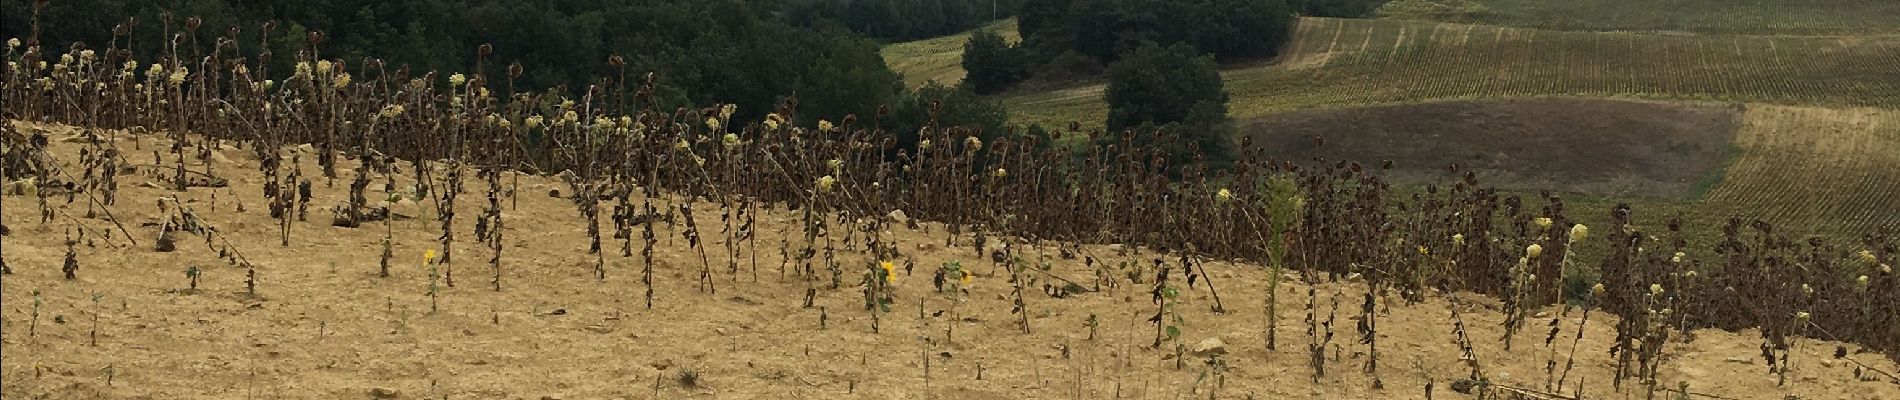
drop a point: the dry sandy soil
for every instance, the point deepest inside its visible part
(1602, 147)
(324, 326)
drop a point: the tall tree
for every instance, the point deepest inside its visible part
(1171, 90)
(991, 63)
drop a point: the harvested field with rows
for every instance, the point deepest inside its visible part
(1342, 62)
(1762, 17)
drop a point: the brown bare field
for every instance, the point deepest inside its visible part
(1597, 147)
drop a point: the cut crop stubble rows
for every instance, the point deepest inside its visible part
(1340, 62)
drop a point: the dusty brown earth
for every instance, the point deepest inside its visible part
(324, 326)
(1601, 147)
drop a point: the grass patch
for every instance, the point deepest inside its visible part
(1708, 182)
(938, 59)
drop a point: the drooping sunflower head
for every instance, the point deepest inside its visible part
(825, 183)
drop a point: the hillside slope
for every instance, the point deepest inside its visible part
(1815, 170)
(938, 59)
(324, 325)
(1344, 62)
(1836, 167)
(1770, 17)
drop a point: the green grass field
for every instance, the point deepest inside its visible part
(1338, 62)
(1773, 17)
(938, 59)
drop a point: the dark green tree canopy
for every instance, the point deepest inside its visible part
(1163, 85)
(898, 20)
(1337, 8)
(959, 104)
(1172, 92)
(992, 63)
(1105, 29)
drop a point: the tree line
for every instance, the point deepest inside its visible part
(740, 52)
(898, 20)
(756, 54)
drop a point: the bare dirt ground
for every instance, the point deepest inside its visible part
(1600, 147)
(324, 326)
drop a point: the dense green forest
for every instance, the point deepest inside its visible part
(704, 51)
(1336, 8)
(1103, 30)
(898, 20)
(1068, 40)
